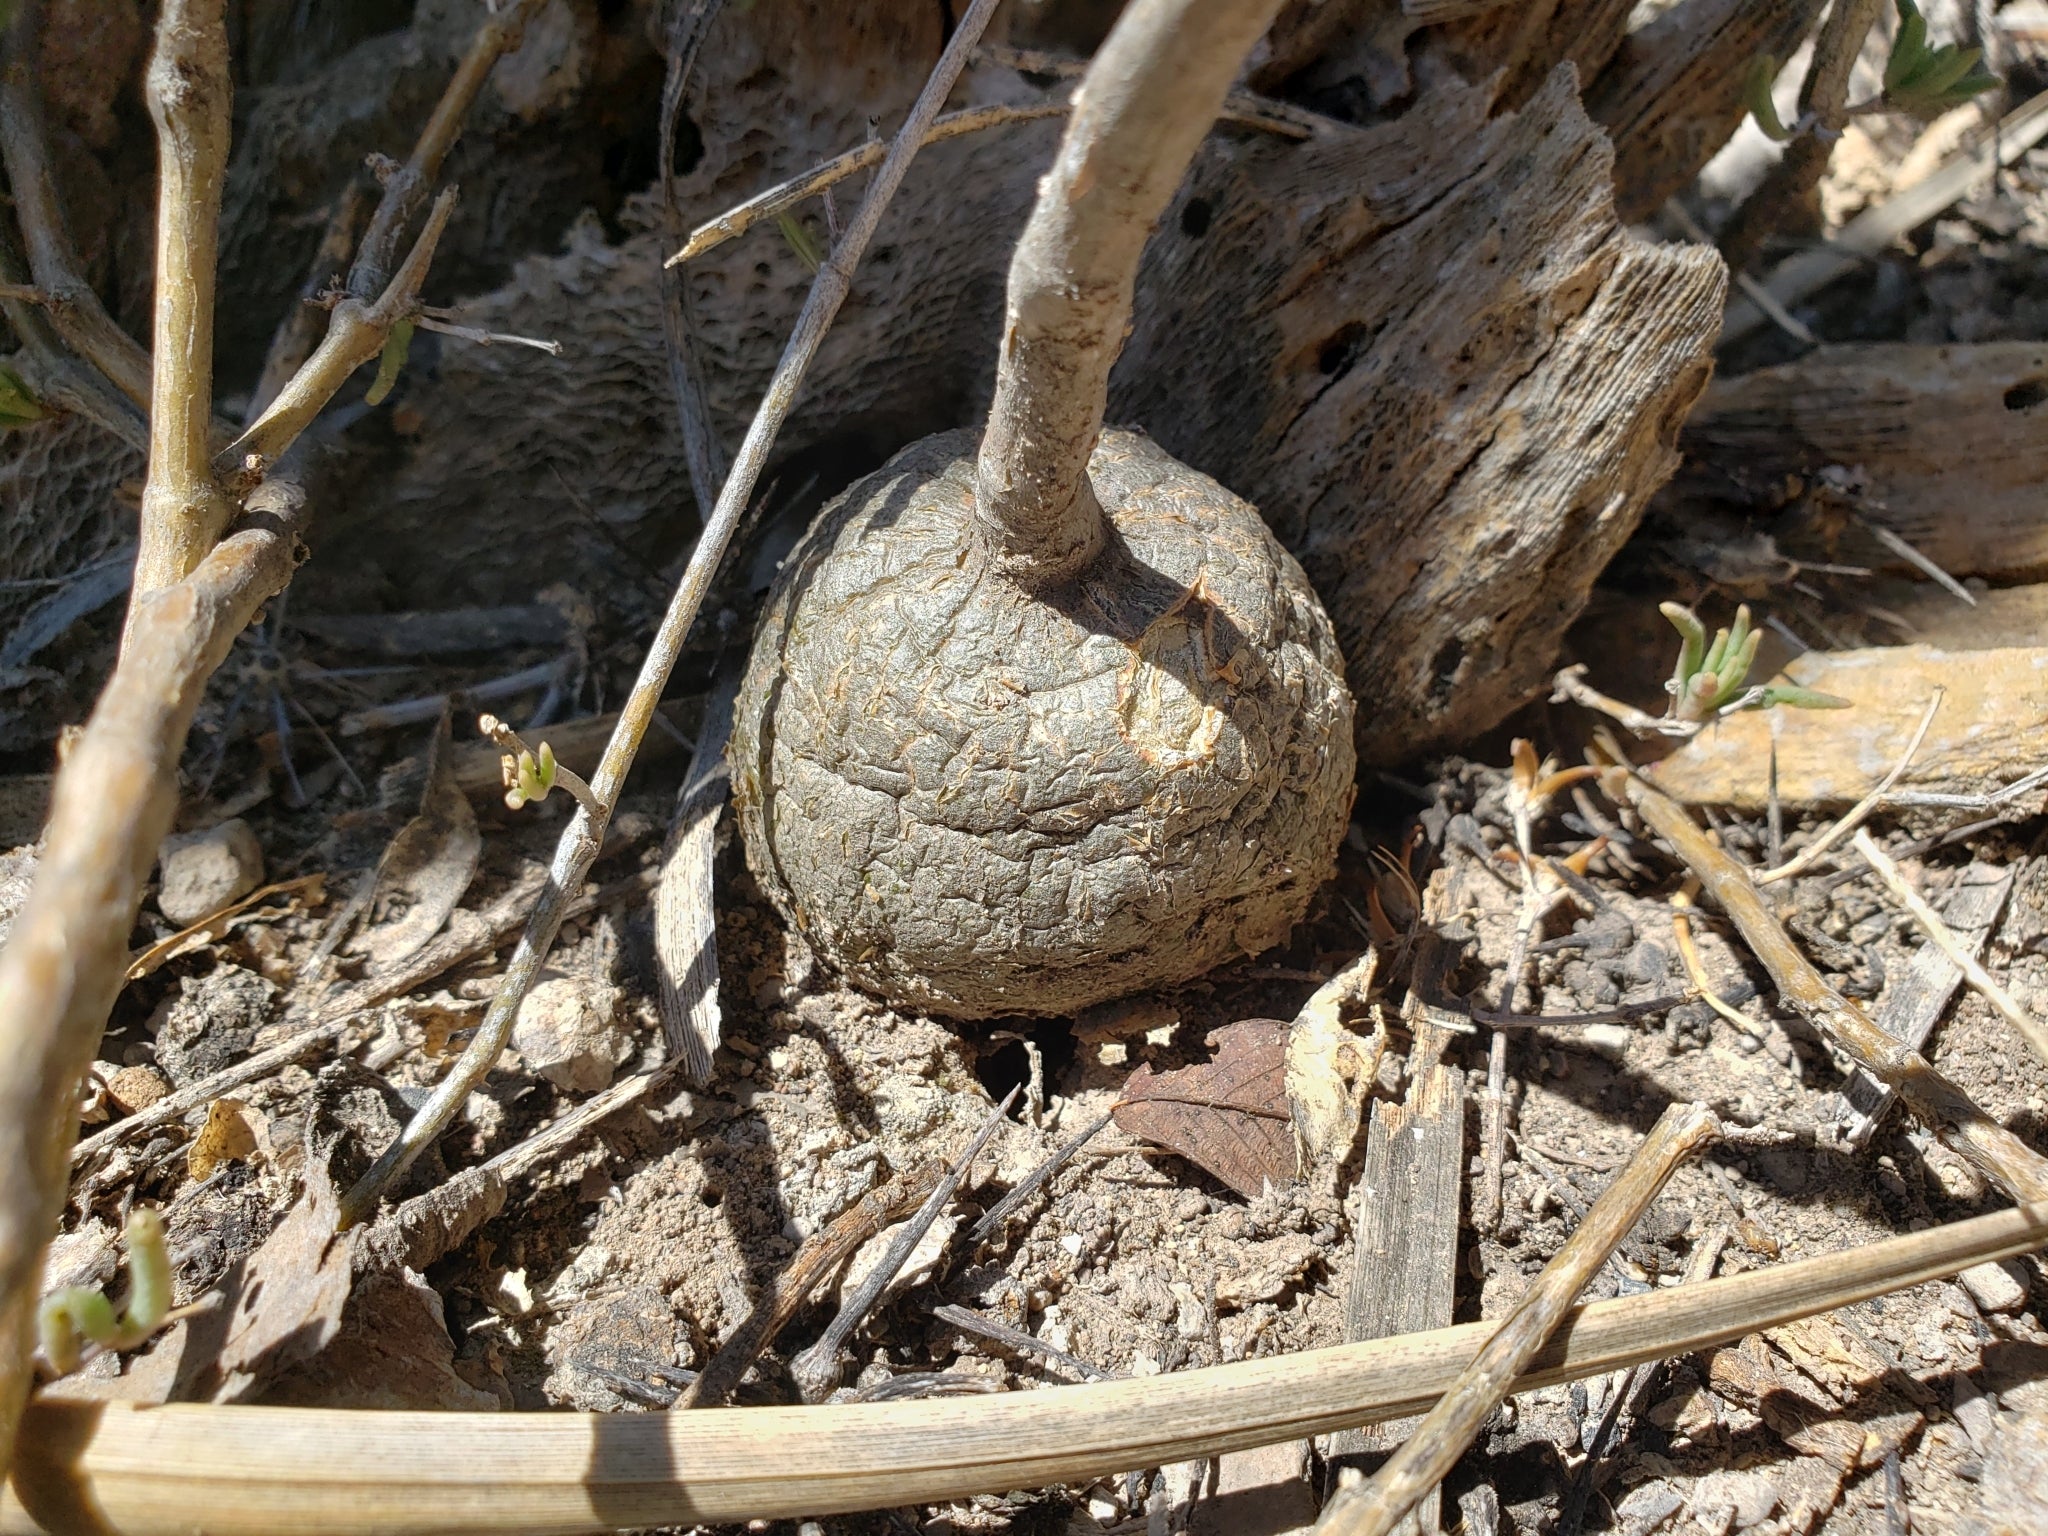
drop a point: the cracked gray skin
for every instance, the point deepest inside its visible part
(974, 801)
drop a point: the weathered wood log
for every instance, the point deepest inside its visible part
(1425, 350)
(1941, 444)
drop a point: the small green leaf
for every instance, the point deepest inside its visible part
(18, 404)
(1925, 82)
(1909, 48)
(1792, 696)
(396, 347)
(1756, 95)
(800, 241)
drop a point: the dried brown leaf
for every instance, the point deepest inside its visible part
(217, 925)
(428, 865)
(233, 1131)
(286, 1304)
(1227, 1116)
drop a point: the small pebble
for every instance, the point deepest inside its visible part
(134, 1088)
(202, 872)
(567, 1032)
(1999, 1287)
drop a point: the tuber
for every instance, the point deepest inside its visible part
(1039, 722)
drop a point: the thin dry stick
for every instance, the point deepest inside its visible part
(1858, 813)
(1944, 1108)
(406, 186)
(255, 1471)
(1688, 951)
(1446, 1430)
(111, 807)
(1149, 98)
(73, 307)
(184, 509)
(816, 1370)
(1821, 101)
(2030, 1028)
(822, 1256)
(584, 835)
(355, 333)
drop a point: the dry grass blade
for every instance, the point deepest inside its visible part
(111, 807)
(580, 843)
(2030, 1028)
(1446, 1430)
(314, 1471)
(1946, 1109)
(1860, 811)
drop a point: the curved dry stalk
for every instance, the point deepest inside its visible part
(68, 953)
(1434, 1445)
(578, 848)
(184, 508)
(74, 309)
(1144, 106)
(262, 1470)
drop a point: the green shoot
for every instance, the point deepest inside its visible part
(1712, 680)
(18, 404)
(1925, 82)
(530, 774)
(1756, 95)
(801, 241)
(71, 1318)
(397, 346)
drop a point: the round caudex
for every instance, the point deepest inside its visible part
(1044, 718)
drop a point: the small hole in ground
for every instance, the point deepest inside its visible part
(1196, 217)
(1005, 1064)
(2026, 394)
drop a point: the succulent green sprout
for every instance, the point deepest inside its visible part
(1923, 81)
(1756, 95)
(397, 347)
(531, 777)
(76, 1315)
(18, 403)
(801, 241)
(1712, 679)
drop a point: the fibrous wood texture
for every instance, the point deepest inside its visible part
(1424, 350)
(1945, 445)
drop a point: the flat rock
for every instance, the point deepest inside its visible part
(202, 872)
(1997, 1287)
(1992, 727)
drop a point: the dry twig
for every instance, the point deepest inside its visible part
(1447, 1429)
(255, 1471)
(1861, 810)
(2030, 1028)
(72, 305)
(584, 835)
(1951, 1113)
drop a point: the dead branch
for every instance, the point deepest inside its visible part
(1447, 1429)
(110, 809)
(406, 186)
(1944, 1108)
(262, 1470)
(2030, 1028)
(355, 334)
(1821, 101)
(73, 307)
(184, 508)
(584, 835)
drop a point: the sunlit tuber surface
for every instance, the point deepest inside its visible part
(975, 800)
